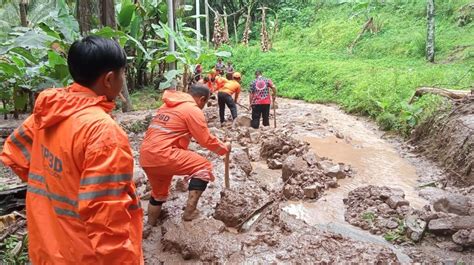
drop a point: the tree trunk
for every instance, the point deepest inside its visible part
(107, 19)
(226, 29)
(265, 42)
(430, 38)
(208, 32)
(84, 15)
(171, 47)
(23, 13)
(447, 93)
(107, 13)
(245, 38)
(198, 23)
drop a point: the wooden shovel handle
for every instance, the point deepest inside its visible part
(226, 179)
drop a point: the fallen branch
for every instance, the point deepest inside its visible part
(367, 25)
(447, 93)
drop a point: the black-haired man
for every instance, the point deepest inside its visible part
(164, 151)
(81, 203)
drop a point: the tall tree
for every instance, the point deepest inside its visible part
(107, 13)
(84, 10)
(430, 36)
(107, 19)
(24, 13)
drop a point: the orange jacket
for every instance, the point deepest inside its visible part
(231, 87)
(81, 204)
(175, 123)
(220, 82)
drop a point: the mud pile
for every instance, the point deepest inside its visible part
(135, 122)
(277, 238)
(448, 138)
(237, 205)
(385, 211)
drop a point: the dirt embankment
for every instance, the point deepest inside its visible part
(448, 138)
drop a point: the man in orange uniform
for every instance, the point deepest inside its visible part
(224, 96)
(81, 204)
(164, 151)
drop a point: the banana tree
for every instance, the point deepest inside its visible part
(188, 54)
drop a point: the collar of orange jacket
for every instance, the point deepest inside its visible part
(55, 105)
(173, 98)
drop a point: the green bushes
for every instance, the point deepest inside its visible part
(381, 75)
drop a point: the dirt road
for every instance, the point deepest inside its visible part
(312, 230)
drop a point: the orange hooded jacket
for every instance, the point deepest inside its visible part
(81, 204)
(175, 123)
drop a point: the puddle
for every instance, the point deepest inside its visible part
(374, 164)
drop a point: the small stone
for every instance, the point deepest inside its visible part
(391, 224)
(311, 192)
(395, 201)
(464, 237)
(340, 135)
(274, 164)
(415, 227)
(285, 149)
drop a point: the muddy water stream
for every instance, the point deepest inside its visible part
(374, 160)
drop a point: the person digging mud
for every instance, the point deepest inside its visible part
(81, 204)
(164, 153)
(259, 98)
(224, 96)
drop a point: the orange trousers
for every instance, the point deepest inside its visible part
(187, 163)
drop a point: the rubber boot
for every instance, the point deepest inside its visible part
(153, 214)
(190, 212)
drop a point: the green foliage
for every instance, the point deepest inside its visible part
(13, 251)
(312, 63)
(146, 99)
(368, 216)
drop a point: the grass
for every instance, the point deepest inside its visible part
(378, 79)
(146, 99)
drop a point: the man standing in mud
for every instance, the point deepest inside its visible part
(259, 99)
(224, 96)
(81, 204)
(164, 151)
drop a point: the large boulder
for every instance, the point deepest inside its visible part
(241, 159)
(453, 203)
(293, 166)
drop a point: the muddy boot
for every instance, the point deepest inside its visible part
(153, 214)
(190, 212)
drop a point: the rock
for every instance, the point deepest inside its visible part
(274, 164)
(242, 121)
(285, 149)
(255, 137)
(340, 135)
(181, 185)
(293, 166)
(453, 203)
(415, 227)
(311, 192)
(396, 201)
(391, 224)
(451, 224)
(464, 237)
(336, 171)
(449, 245)
(310, 158)
(242, 160)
